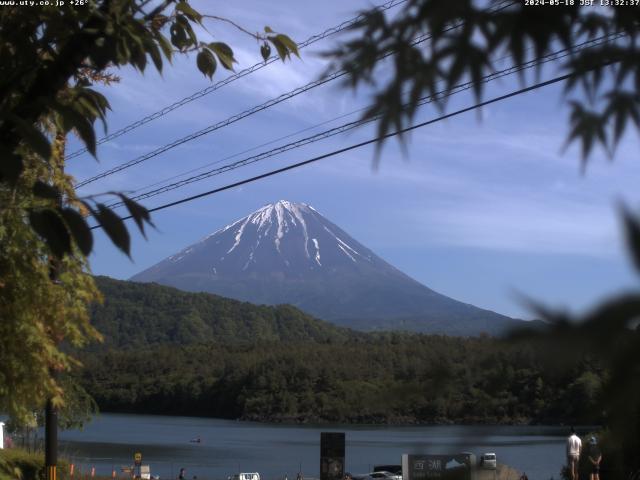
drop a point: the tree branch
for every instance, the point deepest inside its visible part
(256, 35)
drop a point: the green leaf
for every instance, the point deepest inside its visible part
(224, 53)
(178, 36)
(139, 213)
(290, 45)
(72, 119)
(33, 137)
(622, 106)
(114, 227)
(268, 30)
(44, 190)
(158, 22)
(123, 54)
(192, 14)
(265, 50)
(588, 127)
(206, 62)
(52, 229)
(138, 58)
(154, 53)
(184, 23)
(79, 229)
(283, 53)
(165, 45)
(87, 108)
(93, 104)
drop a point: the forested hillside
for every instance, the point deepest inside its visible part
(172, 352)
(136, 315)
(388, 378)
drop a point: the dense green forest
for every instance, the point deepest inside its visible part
(136, 315)
(172, 352)
(392, 378)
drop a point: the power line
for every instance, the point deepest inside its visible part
(214, 127)
(554, 56)
(270, 142)
(212, 88)
(256, 147)
(228, 121)
(237, 154)
(355, 146)
(255, 109)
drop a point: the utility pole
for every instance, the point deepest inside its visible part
(51, 412)
(51, 439)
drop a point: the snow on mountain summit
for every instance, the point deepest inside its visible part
(297, 225)
(283, 238)
(287, 252)
(278, 218)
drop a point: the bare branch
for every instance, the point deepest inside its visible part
(256, 35)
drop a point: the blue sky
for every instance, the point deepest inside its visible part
(483, 208)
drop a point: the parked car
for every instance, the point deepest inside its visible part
(488, 460)
(382, 475)
(395, 469)
(245, 476)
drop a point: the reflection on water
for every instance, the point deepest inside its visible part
(228, 447)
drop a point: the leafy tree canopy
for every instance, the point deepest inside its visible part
(50, 59)
(376, 378)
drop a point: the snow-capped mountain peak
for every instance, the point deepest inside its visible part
(287, 252)
(268, 228)
(285, 238)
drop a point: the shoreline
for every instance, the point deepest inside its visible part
(360, 422)
(275, 449)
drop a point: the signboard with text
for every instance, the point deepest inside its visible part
(457, 466)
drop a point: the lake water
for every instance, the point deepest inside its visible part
(227, 447)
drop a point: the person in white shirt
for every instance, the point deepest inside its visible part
(574, 445)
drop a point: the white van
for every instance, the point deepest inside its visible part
(245, 476)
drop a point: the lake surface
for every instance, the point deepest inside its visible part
(227, 447)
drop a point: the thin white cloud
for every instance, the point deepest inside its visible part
(523, 225)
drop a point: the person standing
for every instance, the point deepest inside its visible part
(574, 445)
(595, 457)
(182, 475)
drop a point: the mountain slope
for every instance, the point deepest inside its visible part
(136, 315)
(288, 253)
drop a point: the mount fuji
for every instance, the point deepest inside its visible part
(287, 252)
